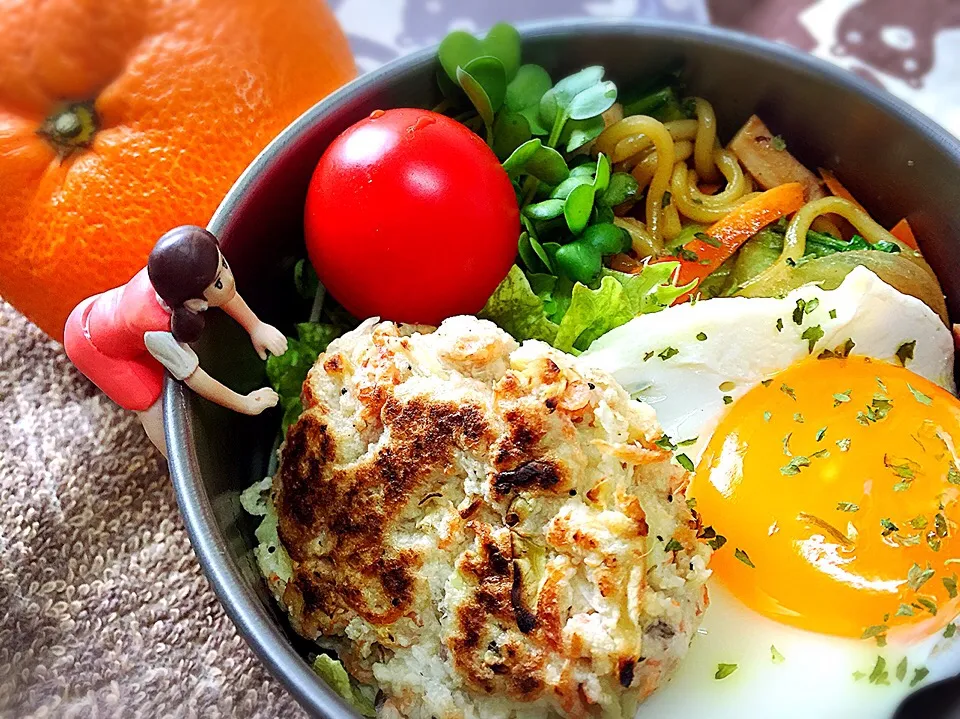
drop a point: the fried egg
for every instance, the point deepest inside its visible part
(691, 361)
(829, 474)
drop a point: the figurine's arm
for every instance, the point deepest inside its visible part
(178, 358)
(209, 388)
(182, 362)
(264, 337)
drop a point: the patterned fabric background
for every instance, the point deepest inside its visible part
(104, 611)
(910, 48)
(380, 30)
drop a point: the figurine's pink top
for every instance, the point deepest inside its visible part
(104, 338)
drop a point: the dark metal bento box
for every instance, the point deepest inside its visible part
(895, 160)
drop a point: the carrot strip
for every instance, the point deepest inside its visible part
(836, 187)
(903, 232)
(698, 258)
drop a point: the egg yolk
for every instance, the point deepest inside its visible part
(835, 486)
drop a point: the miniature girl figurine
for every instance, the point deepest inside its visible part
(124, 338)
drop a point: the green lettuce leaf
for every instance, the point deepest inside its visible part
(571, 316)
(619, 298)
(516, 308)
(288, 371)
(333, 673)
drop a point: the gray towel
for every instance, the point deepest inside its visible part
(103, 608)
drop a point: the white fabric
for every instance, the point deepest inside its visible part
(179, 359)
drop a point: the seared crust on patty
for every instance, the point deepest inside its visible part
(472, 524)
(352, 507)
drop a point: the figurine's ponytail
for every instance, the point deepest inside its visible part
(186, 325)
(182, 265)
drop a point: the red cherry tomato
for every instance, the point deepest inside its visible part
(410, 217)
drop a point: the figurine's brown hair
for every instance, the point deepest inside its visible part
(182, 265)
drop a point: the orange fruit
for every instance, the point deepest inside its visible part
(122, 119)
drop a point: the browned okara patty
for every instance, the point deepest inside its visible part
(473, 523)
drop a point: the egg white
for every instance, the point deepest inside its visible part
(744, 346)
(815, 678)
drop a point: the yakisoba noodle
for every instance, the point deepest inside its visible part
(706, 139)
(672, 226)
(663, 145)
(644, 244)
(656, 153)
(643, 170)
(795, 238)
(624, 142)
(701, 207)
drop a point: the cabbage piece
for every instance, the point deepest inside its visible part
(272, 557)
(902, 271)
(333, 673)
(826, 262)
(255, 497)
